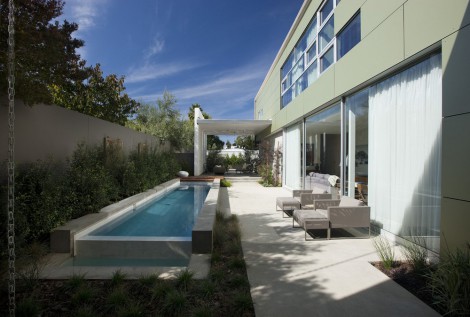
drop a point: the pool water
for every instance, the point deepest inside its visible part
(172, 215)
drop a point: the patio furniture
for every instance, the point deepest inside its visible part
(291, 203)
(287, 204)
(346, 212)
(309, 219)
(307, 199)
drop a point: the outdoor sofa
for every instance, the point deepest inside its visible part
(291, 203)
(328, 214)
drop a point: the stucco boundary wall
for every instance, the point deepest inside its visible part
(48, 131)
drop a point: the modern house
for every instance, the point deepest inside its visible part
(375, 92)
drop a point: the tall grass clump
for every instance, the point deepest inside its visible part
(385, 251)
(416, 253)
(450, 283)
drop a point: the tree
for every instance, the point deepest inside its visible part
(246, 143)
(228, 144)
(45, 51)
(164, 121)
(191, 112)
(98, 96)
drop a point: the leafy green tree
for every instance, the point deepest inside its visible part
(98, 96)
(45, 51)
(164, 121)
(191, 112)
(228, 144)
(214, 142)
(245, 142)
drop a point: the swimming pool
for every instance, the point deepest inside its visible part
(158, 227)
(171, 215)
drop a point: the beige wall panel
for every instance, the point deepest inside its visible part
(374, 12)
(344, 11)
(455, 217)
(379, 51)
(294, 110)
(278, 120)
(455, 157)
(429, 21)
(320, 92)
(455, 73)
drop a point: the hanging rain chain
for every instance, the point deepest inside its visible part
(11, 158)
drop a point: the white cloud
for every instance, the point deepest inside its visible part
(155, 48)
(84, 12)
(153, 71)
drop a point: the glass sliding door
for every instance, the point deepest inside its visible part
(405, 114)
(357, 145)
(293, 157)
(323, 143)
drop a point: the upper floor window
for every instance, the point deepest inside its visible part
(349, 36)
(316, 50)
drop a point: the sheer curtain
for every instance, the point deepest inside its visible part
(292, 154)
(405, 113)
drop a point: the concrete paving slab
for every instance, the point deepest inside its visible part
(293, 277)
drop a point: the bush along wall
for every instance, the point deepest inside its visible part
(50, 193)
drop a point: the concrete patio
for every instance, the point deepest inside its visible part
(291, 276)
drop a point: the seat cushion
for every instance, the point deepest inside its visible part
(350, 202)
(287, 203)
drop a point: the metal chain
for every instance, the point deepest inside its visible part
(11, 158)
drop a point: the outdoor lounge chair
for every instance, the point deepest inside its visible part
(346, 212)
(291, 203)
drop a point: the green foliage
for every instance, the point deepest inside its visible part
(228, 144)
(415, 253)
(30, 264)
(49, 194)
(98, 96)
(116, 299)
(45, 51)
(164, 121)
(39, 206)
(225, 183)
(118, 278)
(245, 142)
(243, 302)
(213, 159)
(175, 303)
(385, 251)
(269, 167)
(28, 307)
(83, 295)
(90, 187)
(184, 279)
(149, 281)
(214, 143)
(133, 309)
(74, 282)
(450, 283)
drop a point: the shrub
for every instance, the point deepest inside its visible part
(225, 183)
(28, 307)
(415, 253)
(184, 279)
(450, 283)
(118, 278)
(385, 251)
(175, 303)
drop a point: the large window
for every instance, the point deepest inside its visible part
(315, 52)
(323, 143)
(349, 36)
(356, 172)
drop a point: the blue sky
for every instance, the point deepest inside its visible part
(212, 52)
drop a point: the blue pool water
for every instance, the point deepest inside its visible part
(171, 215)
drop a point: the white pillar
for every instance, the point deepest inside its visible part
(198, 144)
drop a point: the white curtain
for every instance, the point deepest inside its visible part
(405, 114)
(292, 154)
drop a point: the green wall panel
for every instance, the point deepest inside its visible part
(455, 217)
(344, 11)
(456, 72)
(455, 157)
(429, 21)
(320, 92)
(379, 51)
(374, 12)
